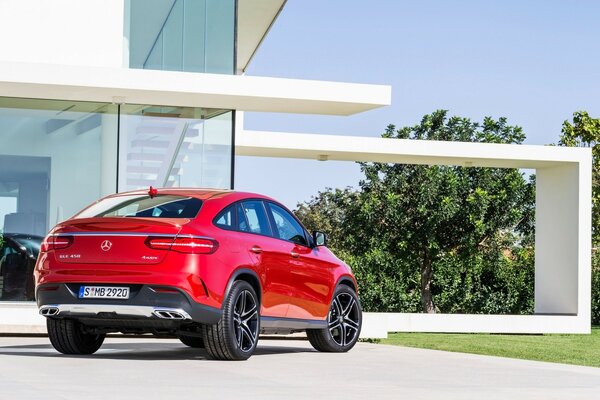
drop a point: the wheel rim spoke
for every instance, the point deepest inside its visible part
(349, 308)
(242, 302)
(334, 323)
(247, 332)
(351, 324)
(251, 311)
(338, 308)
(239, 335)
(249, 317)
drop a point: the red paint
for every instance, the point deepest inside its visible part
(191, 254)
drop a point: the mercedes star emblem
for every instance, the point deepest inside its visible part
(106, 245)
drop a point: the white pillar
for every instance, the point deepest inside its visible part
(563, 240)
(108, 161)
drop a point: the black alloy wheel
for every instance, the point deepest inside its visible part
(245, 319)
(236, 335)
(344, 322)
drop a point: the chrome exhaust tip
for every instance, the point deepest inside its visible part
(171, 314)
(49, 311)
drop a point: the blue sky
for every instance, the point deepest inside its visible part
(534, 62)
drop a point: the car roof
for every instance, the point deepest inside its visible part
(199, 193)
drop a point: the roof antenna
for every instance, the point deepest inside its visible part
(152, 192)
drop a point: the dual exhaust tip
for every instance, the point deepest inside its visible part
(49, 311)
(170, 314)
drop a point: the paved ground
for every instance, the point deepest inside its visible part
(281, 369)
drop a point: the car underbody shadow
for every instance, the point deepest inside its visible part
(149, 350)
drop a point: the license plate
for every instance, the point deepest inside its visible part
(103, 292)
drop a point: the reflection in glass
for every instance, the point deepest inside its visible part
(56, 157)
(175, 147)
(182, 35)
(59, 156)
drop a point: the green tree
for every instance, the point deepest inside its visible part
(584, 131)
(329, 211)
(421, 213)
(412, 218)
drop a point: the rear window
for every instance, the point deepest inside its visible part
(161, 206)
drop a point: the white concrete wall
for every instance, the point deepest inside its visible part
(563, 221)
(24, 318)
(378, 325)
(70, 32)
(21, 317)
(556, 236)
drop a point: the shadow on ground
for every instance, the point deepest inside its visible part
(142, 351)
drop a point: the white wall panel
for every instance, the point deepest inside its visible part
(70, 32)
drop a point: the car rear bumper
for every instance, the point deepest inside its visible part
(145, 302)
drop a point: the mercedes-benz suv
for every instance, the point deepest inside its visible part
(214, 268)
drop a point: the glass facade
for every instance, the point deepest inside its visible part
(58, 156)
(52, 162)
(182, 35)
(175, 147)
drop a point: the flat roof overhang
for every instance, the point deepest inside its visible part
(429, 152)
(187, 89)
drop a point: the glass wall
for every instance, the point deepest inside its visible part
(182, 35)
(56, 157)
(175, 147)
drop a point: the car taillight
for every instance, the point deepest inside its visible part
(159, 243)
(193, 245)
(56, 243)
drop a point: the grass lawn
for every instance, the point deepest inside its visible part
(567, 349)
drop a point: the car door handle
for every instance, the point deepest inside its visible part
(256, 249)
(294, 254)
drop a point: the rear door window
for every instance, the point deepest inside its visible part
(253, 218)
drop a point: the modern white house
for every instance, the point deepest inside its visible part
(103, 96)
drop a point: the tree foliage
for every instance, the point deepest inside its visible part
(584, 131)
(431, 238)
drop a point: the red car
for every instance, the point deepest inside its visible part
(214, 268)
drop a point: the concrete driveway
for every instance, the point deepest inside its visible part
(281, 369)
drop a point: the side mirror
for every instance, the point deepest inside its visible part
(319, 238)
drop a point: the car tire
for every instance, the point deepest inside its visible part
(192, 341)
(344, 322)
(236, 335)
(68, 337)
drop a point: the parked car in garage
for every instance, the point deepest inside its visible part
(18, 254)
(214, 268)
